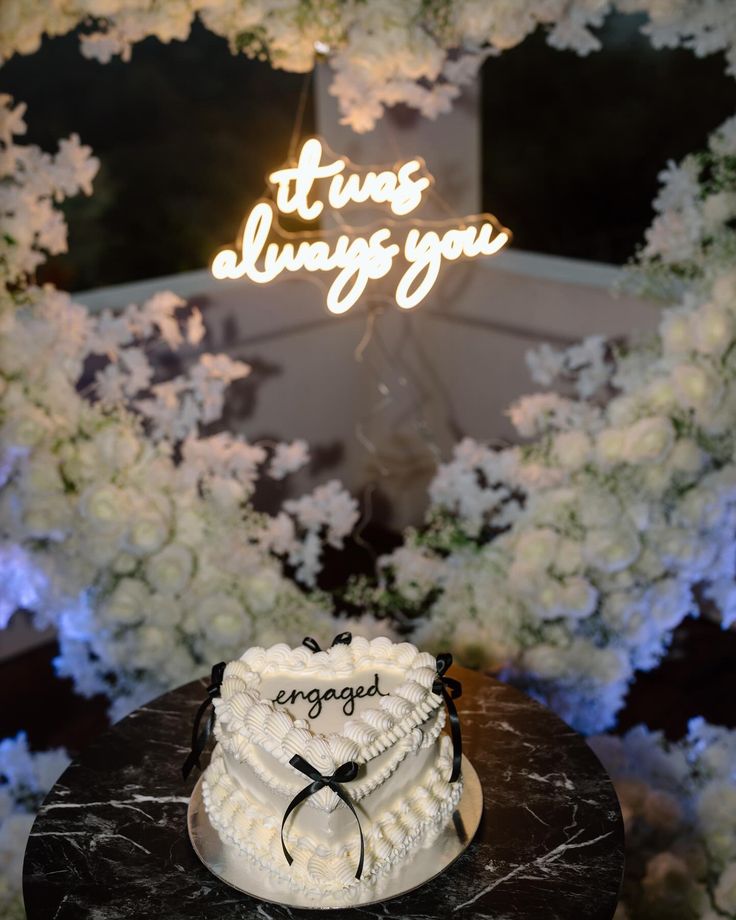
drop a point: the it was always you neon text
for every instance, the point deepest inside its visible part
(354, 257)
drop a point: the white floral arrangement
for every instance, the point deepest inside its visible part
(678, 801)
(25, 778)
(566, 563)
(382, 53)
(120, 523)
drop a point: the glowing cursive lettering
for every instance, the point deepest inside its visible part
(266, 251)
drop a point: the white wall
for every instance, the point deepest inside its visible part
(460, 355)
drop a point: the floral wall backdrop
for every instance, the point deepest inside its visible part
(564, 564)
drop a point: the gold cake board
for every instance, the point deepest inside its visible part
(439, 850)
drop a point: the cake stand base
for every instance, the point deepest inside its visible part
(437, 852)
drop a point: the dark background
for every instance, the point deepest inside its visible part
(187, 131)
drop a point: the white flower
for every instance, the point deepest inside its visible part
(696, 387)
(106, 507)
(225, 622)
(611, 446)
(147, 534)
(572, 449)
(534, 552)
(718, 209)
(649, 440)
(128, 602)
(611, 550)
(676, 332)
(170, 570)
(261, 591)
(288, 458)
(714, 329)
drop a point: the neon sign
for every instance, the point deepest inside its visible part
(359, 255)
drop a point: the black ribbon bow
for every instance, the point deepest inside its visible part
(343, 638)
(450, 689)
(348, 771)
(200, 738)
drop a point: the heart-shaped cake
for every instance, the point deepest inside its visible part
(330, 766)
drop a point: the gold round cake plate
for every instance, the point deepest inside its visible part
(438, 851)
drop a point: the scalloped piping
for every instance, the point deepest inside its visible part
(222, 795)
(238, 746)
(338, 661)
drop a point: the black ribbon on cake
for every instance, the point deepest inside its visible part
(200, 736)
(343, 638)
(344, 774)
(450, 689)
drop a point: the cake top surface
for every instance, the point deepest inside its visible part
(349, 702)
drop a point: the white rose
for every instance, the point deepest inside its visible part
(106, 507)
(610, 446)
(168, 610)
(41, 474)
(656, 479)
(26, 427)
(716, 811)
(190, 527)
(48, 515)
(128, 603)
(147, 534)
(226, 492)
(170, 570)
(622, 411)
(533, 554)
(545, 661)
(717, 209)
(649, 440)
(569, 557)
(178, 666)
(660, 395)
(224, 621)
(153, 646)
(598, 509)
(117, 447)
(676, 333)
(575, 598)
(612, 549)
(124, 564)
(713, 330)
(696, 387)
(571, 449)
(686, 457)
(261, 590)
(579, 597)
(81, 461)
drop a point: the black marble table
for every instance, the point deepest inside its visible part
(110, 842)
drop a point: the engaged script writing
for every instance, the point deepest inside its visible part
(319, 697)
(354, 260)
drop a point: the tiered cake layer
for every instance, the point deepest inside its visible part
(367, 702)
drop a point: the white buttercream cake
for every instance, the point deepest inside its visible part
(367, 702)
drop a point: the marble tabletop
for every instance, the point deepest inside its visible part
(110, 842)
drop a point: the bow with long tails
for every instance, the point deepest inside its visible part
(450, 689)
(343, 638)
(200, 737)
(348, 771)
